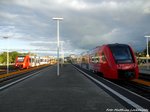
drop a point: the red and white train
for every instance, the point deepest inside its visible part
(114, 61)
(25, 62)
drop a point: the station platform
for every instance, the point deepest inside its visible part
(47, 92)
(144, 69)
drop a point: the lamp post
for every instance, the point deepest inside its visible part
(57, 19)
(7, 55)
(147, 55)
(62, 51)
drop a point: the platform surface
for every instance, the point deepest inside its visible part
(47, 92)
(144, 69)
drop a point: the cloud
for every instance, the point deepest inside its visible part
(86, 24)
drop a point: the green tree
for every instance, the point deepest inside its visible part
(3, 57)
(13, 56)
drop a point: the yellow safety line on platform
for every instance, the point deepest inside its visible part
(147, 83)
(21, 71)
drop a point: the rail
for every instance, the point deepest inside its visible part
(21, 71)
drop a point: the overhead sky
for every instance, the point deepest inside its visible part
(86, 24)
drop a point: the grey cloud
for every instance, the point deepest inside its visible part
(86, 24)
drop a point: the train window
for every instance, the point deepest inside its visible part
(122, 54)
(33, 60)
(20, 58)
(97, 59)
(103, 57)
(83, 60)
(92, 59)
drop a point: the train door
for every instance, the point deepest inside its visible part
(103, 64)
(37, 61)
(97, 62)
(27, 62)
(91, 62)
(87, 61)
(32, 61)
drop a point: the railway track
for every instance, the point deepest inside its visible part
(2, 72)
(144, 76)
(10, 71)
(3, 69)
(17, 73)
(137, 88)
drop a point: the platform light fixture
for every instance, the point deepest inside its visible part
(62, 51)
(57, 19)
(7, 55)
(147, 55)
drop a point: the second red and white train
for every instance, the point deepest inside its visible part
(25, 62)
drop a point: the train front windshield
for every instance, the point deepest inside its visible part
(121, 53)
(20, 58)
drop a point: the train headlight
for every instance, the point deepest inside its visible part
(119, 66)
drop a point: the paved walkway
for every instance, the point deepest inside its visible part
(46, 92)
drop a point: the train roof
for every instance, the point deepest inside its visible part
(117, 44)
(99, 47)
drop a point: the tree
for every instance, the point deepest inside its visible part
(3, 58)
(12, 57)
